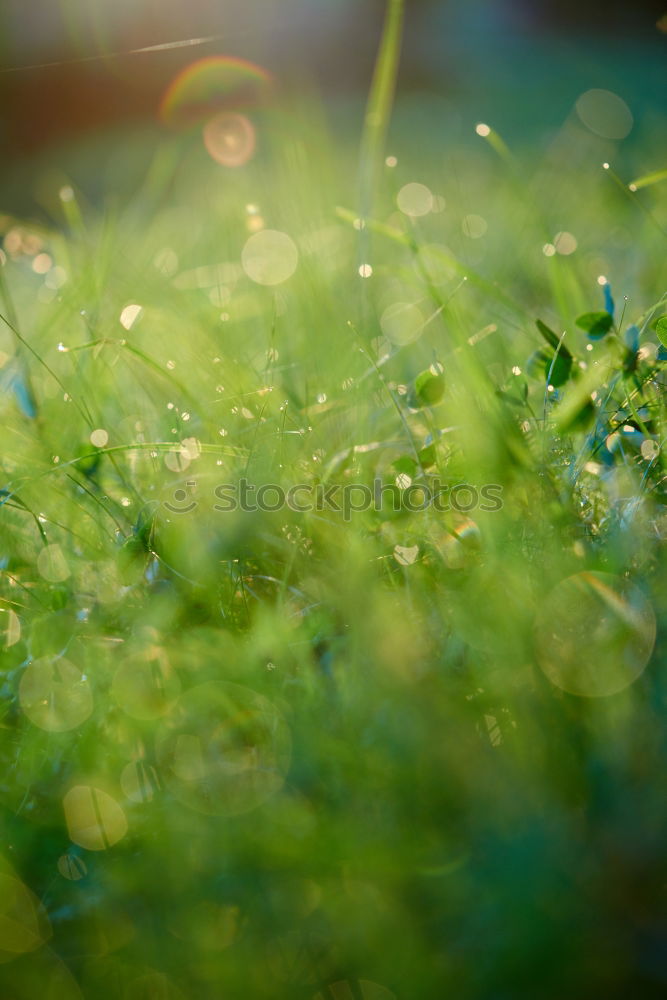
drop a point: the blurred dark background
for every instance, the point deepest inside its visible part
(333, 42)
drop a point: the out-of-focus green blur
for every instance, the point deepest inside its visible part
(408, 742)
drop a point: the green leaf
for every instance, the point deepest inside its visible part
(552, 339)
(429, 388)
(648, 179)
(580, 419)
(405, 465)
(596, 324)
(428, 456)
(540, 365)
(661, 330)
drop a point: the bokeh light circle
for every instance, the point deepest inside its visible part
(605, 113)
(415, 200)
(594, 634)
(402, 322)
(224, 749)
(71, 867)
(23, 925)
(270, 257)
(94, 819)
(474, 226)
(52, 565)
(146, 685)
(230, 139)
(55, 695)
(10, 628)
(139, 781)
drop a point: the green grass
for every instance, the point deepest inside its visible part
(393, 748)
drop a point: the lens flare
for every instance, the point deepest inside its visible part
(210, 86)
(230, 139)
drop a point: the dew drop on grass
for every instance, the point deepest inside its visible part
(94, 819)
(55, 695)
(594, 634)
(365, 270)
(482, 130)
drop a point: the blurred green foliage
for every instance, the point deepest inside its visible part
(272, 754)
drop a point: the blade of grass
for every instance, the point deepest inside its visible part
(378, 109)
